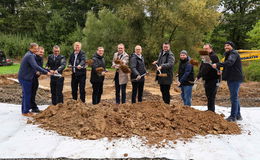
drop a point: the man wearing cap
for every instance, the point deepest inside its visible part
(186, 78)
(210, 76)
(233, 74)
(165, 64)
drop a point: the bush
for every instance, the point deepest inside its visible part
(14, 46)
(106, 30)
(252, 71)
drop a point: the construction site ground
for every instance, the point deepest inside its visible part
(149, 129)
(10, 91)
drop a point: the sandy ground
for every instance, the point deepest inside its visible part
(249, 91)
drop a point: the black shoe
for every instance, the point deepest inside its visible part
(231, 119)
(36, 110)
(239, 118)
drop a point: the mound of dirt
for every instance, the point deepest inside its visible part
(151, 120)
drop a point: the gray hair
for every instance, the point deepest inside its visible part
(208, 44)
(100, 48)
(32, 45)
(56, 47)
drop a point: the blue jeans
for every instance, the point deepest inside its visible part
(186, 93)
(235, 104)
(27, 93)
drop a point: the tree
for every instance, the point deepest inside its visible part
(183, 23)
(238, 18)
(21, 17)
(106, 30)
(254, 36)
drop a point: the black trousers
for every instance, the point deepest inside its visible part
(97, 92)
(56, 89)
(119, 88)
(165, 90)
(35, 85)
(211, 91)
(137, 88)
(78, 82)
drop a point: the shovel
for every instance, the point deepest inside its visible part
(57, 75)
(160, 73)
(134, 80)
(195, 84)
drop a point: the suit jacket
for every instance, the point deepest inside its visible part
(81, 60)
(137, 66)
(166, 60)
(123, 77)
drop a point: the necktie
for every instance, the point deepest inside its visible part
(120, 56)
(74, 64)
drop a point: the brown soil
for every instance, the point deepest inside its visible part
(249, 92)
(154, 121)
(11, 92)
(249, 95)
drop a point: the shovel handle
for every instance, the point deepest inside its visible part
(158, 70)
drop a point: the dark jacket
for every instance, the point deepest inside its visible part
(186, 73)
(232, 66)
(81, 60)
(58, 63)
(99, 61)
(166, 60)
(137, 66)
(39, 61)
(29, 67)
(206, 71)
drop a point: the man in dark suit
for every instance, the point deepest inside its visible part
(77, 62)
(138, 69)
(98, 76)
(35, 81)
(56, 63)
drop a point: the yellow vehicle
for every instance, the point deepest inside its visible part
(249, 55)
(246, 55)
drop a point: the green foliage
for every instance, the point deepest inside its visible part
(254, 36)
(238, 18)
(252, 71)
(14, 46)
(107, 30)
(10, 69)
(149, 24)
(67, 46)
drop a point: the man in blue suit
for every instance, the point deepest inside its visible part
(27, 70)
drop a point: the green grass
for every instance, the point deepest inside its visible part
(9, 69)
(15, 68)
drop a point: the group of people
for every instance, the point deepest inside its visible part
(32, 67)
